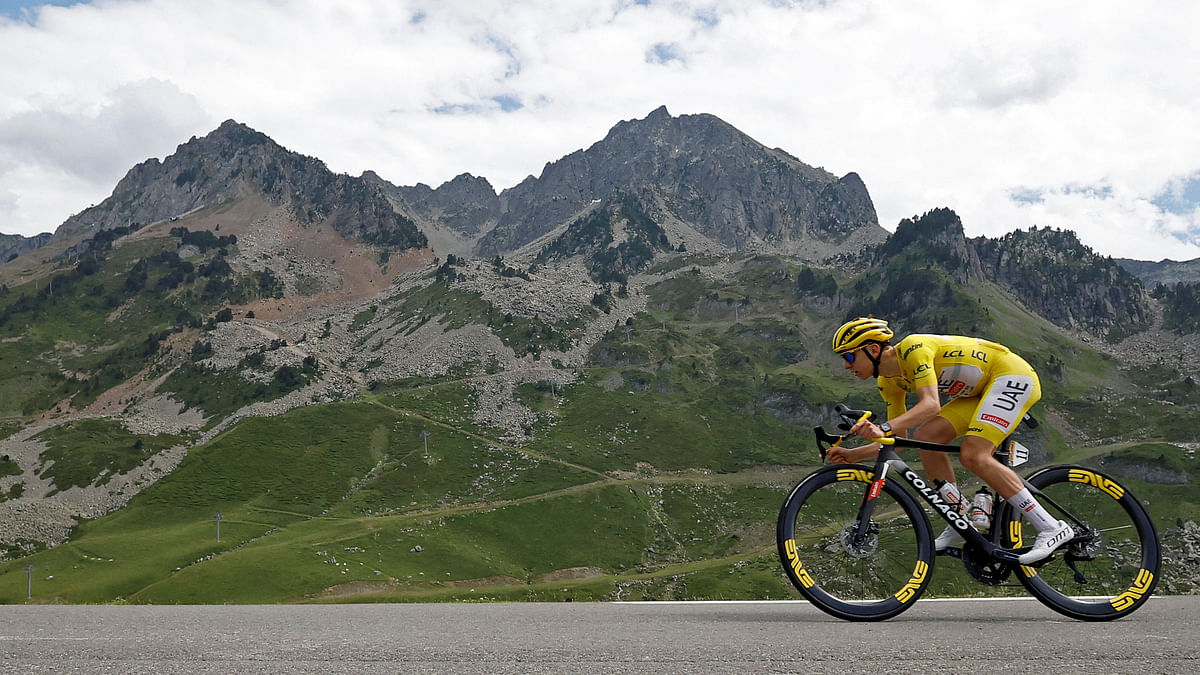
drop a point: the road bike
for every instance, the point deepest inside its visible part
(857, 544)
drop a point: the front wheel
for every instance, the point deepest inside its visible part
(1111, 566)
(867, 576)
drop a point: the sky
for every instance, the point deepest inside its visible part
(1079, 115)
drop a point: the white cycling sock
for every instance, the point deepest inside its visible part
(1037, 516)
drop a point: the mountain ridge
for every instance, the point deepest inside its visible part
(471, 207)
(755, 196)
(1164, 271)
(230, 163)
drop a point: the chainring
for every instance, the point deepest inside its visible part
(984, 568)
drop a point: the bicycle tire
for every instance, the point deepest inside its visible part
(872, 581)
(1107, 572)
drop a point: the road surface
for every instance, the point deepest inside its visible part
(952, 636)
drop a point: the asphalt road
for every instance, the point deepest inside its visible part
(780, 637)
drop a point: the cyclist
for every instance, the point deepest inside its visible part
(989, 389)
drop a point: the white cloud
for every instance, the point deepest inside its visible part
(57, 160)
(961, 105)
(95, 146)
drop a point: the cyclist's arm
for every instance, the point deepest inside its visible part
(895, 398)
(840, 455)
(927, 407)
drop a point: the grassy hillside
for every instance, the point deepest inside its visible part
(110, 310)
(345, 494)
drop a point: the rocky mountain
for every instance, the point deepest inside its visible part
(1065, 281)
(466, 204)
(617, 238)
(1163, 271)
(1049, 271)
(934, 238)
(233, 162)
(13, 245)
(709, 186)
(1176, 285)
(452, 216)
(704, 174)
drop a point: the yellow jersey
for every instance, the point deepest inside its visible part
(959, 366)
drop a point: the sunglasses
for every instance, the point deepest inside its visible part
(849, 356)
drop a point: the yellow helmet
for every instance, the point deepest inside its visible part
(858, 332)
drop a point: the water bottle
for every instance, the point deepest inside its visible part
(950, 493)
(981, 509)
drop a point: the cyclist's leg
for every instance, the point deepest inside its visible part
(1013, 390)
(937, 464)
(953, 421)
(978, 456)
(942, 429)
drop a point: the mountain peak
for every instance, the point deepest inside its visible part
(1066, 281)
(939, 235)
(703, 172)
(236, 132)
(235, 161)
(659, 113)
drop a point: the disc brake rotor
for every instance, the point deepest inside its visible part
(1087, 543)
(863, 546)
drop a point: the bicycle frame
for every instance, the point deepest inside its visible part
(888, 461)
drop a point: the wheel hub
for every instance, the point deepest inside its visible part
(862, 546)
(1086, 544)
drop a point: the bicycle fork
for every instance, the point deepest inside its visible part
(863, 528)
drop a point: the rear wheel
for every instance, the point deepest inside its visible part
(870, 577)
(1111, 566)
